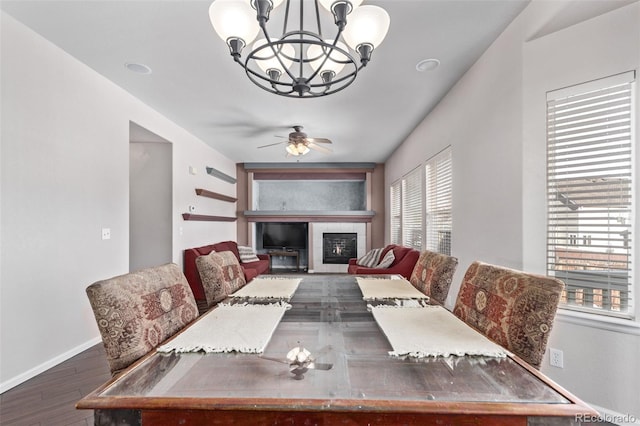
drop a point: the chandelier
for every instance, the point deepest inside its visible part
(300, 63)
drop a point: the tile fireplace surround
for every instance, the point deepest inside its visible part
(316, 229)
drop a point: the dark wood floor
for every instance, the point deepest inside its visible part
(49, 398)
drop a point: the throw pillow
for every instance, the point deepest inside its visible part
(370, 260)
(247, 255)
(387, 260)
(221, 275)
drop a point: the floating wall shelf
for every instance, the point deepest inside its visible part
(220, 175)
(211, 194)
(357, 216)
(204, 217)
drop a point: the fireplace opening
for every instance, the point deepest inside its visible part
(338, 248)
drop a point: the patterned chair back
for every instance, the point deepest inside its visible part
(221, 275)
(136, 312)
(433, 273)
(513, 308)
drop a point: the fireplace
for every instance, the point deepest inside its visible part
(338, 248)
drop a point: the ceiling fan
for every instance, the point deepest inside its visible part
(299, 143)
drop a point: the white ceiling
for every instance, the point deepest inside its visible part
(196, 84)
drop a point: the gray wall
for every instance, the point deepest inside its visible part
(150, 204)
(310, 195)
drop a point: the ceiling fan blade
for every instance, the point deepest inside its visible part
(320, 366)
(271, 144)
(319, 148)
(282, 361)
(319, 140)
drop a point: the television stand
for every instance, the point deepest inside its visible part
(285, 253)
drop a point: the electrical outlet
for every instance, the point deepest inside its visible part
(556, 358)
(106, 233)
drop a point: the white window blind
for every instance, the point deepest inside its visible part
(590, 190)
(396, 212)
(439, 188)
(412, 208)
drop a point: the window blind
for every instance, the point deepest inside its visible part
(589, 193)
(412, 209)
(439, 189)
(396, 212)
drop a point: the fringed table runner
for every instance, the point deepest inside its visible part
(230, 328)
(430, 332)
(385, 288)
(269, 288)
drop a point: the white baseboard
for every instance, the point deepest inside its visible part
(614, 417)
(21, 378)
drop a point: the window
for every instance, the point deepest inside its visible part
(439, 202)
(412, 209)
(396, 213)
(589, 193)
(409, 209)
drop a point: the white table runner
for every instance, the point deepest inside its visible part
(386, 288)
(230, 328)
(269, 288)
(431, 331)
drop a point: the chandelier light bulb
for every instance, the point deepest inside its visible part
(367, 25)
(234, 19)
(336, 60)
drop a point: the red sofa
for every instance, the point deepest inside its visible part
(405, 260)
(251, 270)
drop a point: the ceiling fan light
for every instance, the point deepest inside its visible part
(291, 149)
(234, 19)
(302, 148)
(367, 25)
(267, 60)
(336, 61)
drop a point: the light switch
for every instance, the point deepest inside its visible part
(106, 233)
(193, 170)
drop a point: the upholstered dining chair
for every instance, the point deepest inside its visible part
(137, 311)
(513, 308)
(433, 273)
(221, 275)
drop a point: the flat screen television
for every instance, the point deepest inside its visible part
(284, 235)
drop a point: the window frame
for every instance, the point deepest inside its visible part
(398, 231)
(439, 201)
(578, 162)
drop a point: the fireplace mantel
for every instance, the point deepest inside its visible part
(358, 216)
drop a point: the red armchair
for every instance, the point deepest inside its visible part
(405, 261)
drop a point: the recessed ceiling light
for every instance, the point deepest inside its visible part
(427, 65)
(137, 68)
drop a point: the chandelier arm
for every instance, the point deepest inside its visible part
(286, 18)
(327, 55)
(252, 76)
(301, 60)
(275, 53)
(318, 19)
(352, 74)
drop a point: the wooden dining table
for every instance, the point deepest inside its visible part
(366, 385)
